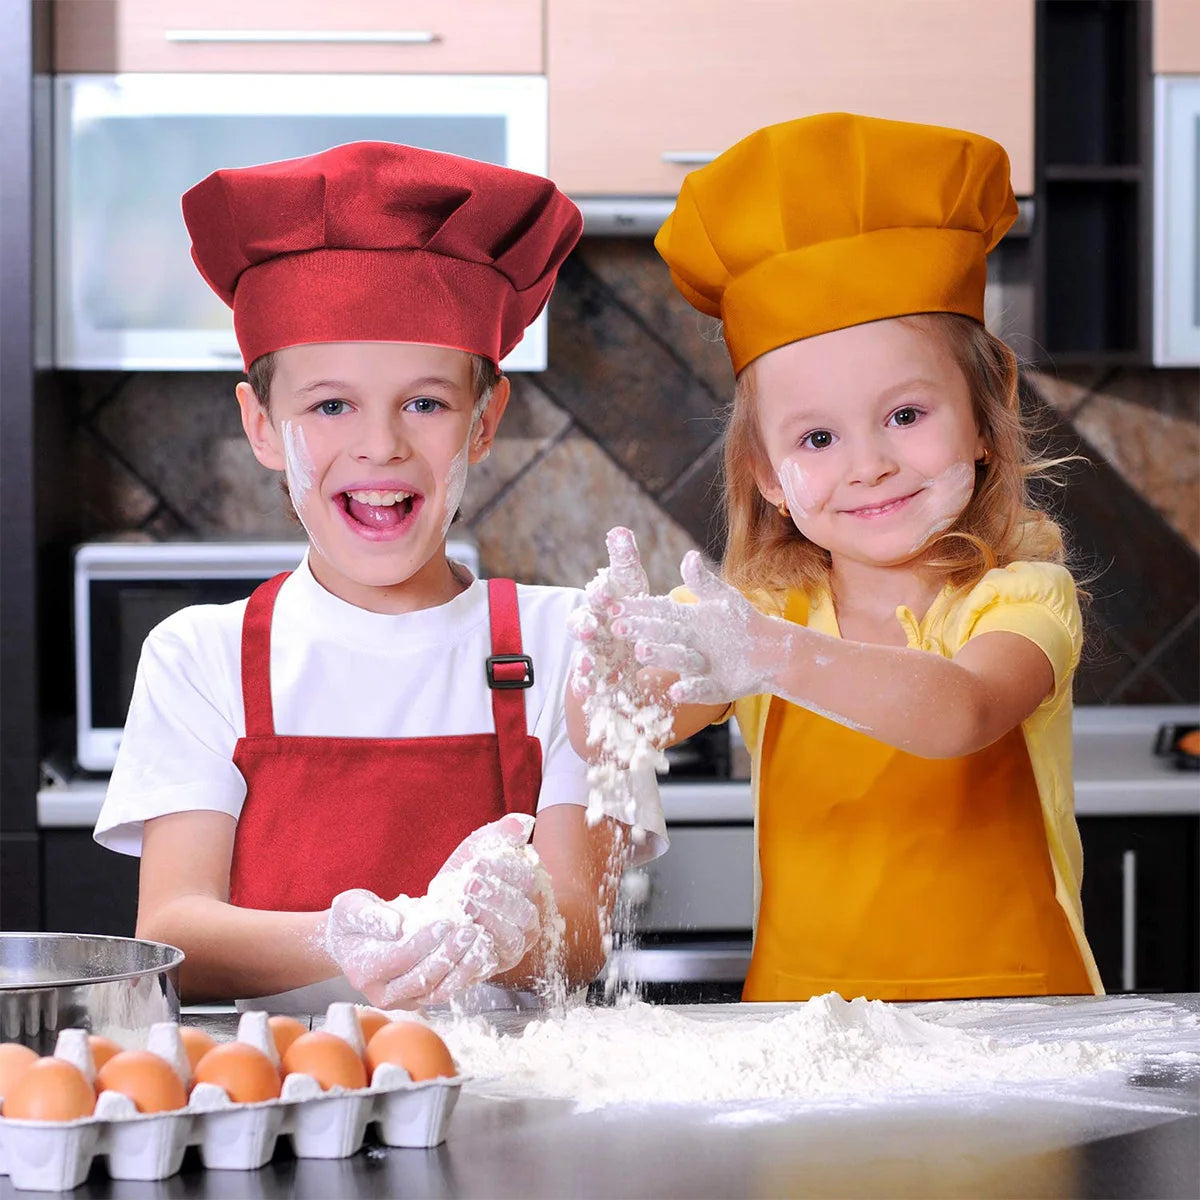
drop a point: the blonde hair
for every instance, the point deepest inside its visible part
(1001, 523)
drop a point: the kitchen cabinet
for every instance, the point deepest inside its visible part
(1141, 892)
(642, 93)
(1177, 37)
(86, 888)
(406, 36)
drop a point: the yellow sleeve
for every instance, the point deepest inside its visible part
(1037, 601)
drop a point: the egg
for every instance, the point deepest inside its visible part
(14, 1058)
(102, 1049)
(149, 1081)
(371, 1021)
(329, 1059)
(50, 1089)
(196, 1043)
(414, 1047)
(245, 1073)
(285, 1030)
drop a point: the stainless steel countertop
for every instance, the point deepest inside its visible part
(1037, 1143)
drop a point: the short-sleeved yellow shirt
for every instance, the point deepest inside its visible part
(1039, 602)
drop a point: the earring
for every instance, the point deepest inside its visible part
(985, 459)
(783, 510)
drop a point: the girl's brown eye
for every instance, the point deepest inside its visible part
(906, 416)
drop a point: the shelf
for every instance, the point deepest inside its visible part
(1086, 173)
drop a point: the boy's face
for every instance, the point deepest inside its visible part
(375, 439)
(871, 437)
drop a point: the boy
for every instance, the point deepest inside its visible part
(291, 761)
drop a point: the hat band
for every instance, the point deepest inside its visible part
(374, 296)
(850, 281)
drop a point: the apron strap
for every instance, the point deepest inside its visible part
(509, 673)
(256, 658)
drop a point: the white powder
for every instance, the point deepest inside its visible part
(825, 1050)
(627, 730)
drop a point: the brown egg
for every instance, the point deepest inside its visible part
(196, 1043)
(414, 1047)
(285, 1030)
(103, 1049)
(14, 1059)
(149, 1081)
(371, 1021)
(50, 1089)
(329, 1059)
(247, 1074)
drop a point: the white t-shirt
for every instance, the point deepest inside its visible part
(336, 671)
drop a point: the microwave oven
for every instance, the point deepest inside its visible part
(126, 295)
(122, 590)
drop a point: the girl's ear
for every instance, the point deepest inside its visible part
(260, 433)
(768, 484)
(484, 432)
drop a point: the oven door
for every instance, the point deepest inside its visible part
(127, 147)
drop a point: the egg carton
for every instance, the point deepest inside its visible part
(58, 1155)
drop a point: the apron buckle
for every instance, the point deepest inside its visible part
(507, 678)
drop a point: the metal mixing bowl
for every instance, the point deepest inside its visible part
(114, 986)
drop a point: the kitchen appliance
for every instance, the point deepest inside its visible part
(117, 987)
(1177, 220)
(126, 147)
(123, 589)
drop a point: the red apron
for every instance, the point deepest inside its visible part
(323, 814)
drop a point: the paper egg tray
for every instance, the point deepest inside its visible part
(57, 1155)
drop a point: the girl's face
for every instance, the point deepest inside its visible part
(375, 439)
(871, 439)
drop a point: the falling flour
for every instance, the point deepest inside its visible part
(627, 730)
(825, 1050)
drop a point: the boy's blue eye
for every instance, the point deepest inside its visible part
(425, 404)
(331, 408)
(819, 439)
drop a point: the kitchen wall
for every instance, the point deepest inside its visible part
(624, 429)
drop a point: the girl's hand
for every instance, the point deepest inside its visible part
(721, 647)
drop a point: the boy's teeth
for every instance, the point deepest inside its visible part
(387, 499)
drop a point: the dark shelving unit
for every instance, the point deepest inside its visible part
(1092, 236)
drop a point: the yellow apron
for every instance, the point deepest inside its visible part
(895, 877)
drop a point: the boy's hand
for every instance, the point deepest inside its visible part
(398, 960)
(721, 647)
(493, 878)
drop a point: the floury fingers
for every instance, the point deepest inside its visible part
(624, 723)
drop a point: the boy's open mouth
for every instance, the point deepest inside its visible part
(380, 511)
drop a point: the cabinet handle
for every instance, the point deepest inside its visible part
(409, 37)
(1129, 921)
(688, 158)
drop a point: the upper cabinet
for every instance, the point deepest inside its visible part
(641, 93)
(1177, 37)
(408, 36)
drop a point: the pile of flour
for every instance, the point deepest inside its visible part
(825, 1049)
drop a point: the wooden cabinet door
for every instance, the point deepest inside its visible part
(409, 36)
(642, 93)
(1141, 896)
(1177, 36)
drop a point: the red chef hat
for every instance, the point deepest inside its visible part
(375, 242)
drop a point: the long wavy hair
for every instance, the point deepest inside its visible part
(1001, 524)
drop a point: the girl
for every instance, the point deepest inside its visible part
(895, 628)
(331, 785)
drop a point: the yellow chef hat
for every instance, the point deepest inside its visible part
(832, 220)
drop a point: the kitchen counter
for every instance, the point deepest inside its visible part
(1039, 1143)
(1116, 774)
